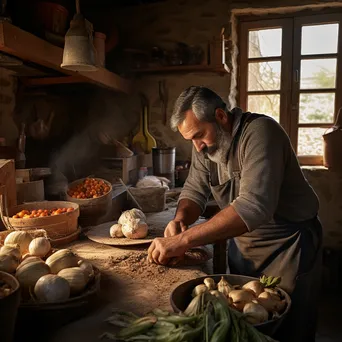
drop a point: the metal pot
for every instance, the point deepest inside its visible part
(164, 160)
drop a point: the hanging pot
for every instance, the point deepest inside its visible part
(332, 142)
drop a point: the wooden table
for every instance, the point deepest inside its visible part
(131, 291)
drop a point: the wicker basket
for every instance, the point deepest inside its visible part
(56, 227)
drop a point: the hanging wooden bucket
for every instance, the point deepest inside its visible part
(332, 142)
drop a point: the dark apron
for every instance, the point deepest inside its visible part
(279, 248)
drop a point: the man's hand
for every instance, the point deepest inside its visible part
(174, 228)
(163, 249)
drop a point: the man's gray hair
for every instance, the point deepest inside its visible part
(201, 100)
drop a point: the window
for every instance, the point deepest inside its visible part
(288, 69)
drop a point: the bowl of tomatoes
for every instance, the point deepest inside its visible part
(89, 188)
(57, 218)
(93, 195)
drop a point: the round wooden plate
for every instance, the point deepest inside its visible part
(100, 234)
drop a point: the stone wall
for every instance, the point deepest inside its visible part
(328, 186)
(164, 24)
(84, 118)
(196, 22)
(8, 86)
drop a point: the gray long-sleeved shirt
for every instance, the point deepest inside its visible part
(272, 183)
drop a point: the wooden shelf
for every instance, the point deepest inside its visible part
(183, 69)
(26, 46)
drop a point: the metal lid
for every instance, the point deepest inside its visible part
(164, 150)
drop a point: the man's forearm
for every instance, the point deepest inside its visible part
(187, 211)
(224, 225)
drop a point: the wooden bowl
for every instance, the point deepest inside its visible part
(181, 297)
(92, 208)
(54, 315)
(9, 307)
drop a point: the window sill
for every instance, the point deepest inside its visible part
(310, 160)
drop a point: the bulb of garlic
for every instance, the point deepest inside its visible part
(52, 288)
(23, 239)
(135, 229)
(138, 213)
(130, 215)
(39, 247)
(116, 231)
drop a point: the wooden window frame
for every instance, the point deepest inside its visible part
(290, 65)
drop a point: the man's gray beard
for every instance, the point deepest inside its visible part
(223, 142)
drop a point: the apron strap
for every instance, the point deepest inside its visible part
(220, 247)
(246, 119)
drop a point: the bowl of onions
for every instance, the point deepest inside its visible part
(56, 285)
(263, 303)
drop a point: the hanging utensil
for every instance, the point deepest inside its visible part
(151, 141)
(139, 141)
(163, 95)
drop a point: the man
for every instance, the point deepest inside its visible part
(268, 209)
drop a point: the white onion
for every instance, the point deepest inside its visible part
(87, 268)
(240, 298)
(52, 288)
(11, 250)
(29, 273)
(8, 263)
(255, 313)
(255, 286)
(64, 258)
(39, 247)
(271, 302)
(23, 239)
(29, 259)
(76, 279)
